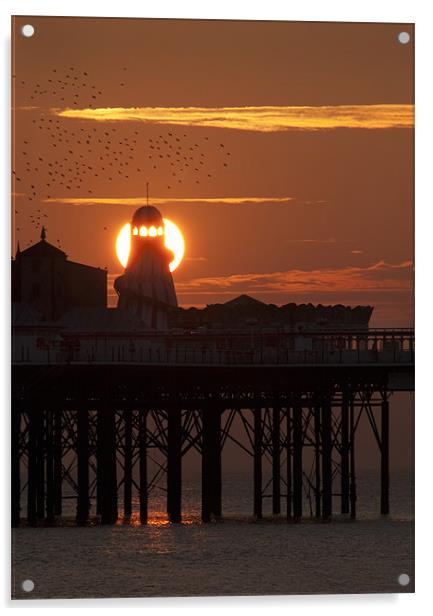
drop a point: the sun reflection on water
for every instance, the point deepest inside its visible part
(156, 519)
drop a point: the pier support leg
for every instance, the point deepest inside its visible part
(258, 440)
(99, 460)
(352, 461)
(327, 460)
(289, 462)
(142, 438)
(217, 500)
(174, 465)
(49, 439)
(57, 462)
(113, 467)
(40, 464)
(82, 465)
(276, 463)
(297, 462)
(345, 480)
(107, 470)
(127, 482)
(317, 460)
(384, 459)
(31, 470)
(211, 463)
(15, 464)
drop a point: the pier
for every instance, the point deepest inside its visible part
(87, 421)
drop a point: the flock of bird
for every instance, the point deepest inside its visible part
(67, 157)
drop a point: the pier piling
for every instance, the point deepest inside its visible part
(211, 463)
(107, 468)
(142, 464)
(384, 459)
(174, 465)
(82, 465)
(317, 473)
(127, 461)
(297, 462)
(15, 466)
(57, 461)
(289, 463)
(50, 479)
(345, 479)
(327, 460)
(276, 462)
(40, 463)
(258, 440)
(32, 467)
(352, 460)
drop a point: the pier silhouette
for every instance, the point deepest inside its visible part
(89, 424)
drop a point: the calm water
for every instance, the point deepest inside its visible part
(236, 556)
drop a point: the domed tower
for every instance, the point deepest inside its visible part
(146, 289)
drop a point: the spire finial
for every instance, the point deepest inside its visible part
(147, 193)
(43, 234)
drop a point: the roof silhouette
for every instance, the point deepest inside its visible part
(42, 249)
(148, 214)
(244, 300)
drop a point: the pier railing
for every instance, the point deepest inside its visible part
(365, 347)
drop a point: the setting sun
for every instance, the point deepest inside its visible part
(173, 240)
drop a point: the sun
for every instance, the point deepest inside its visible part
(173, 240)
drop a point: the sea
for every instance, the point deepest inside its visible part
(236, 555)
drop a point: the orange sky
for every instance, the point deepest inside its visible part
(291, 159)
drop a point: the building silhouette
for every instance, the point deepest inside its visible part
(250, 314)
(44, 278)
(60, 313)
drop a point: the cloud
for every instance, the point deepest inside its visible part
(269, 118)
(136, 201)
(388, 287)
(329, 240)
(380, 276)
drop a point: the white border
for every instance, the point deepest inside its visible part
(407, 11)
